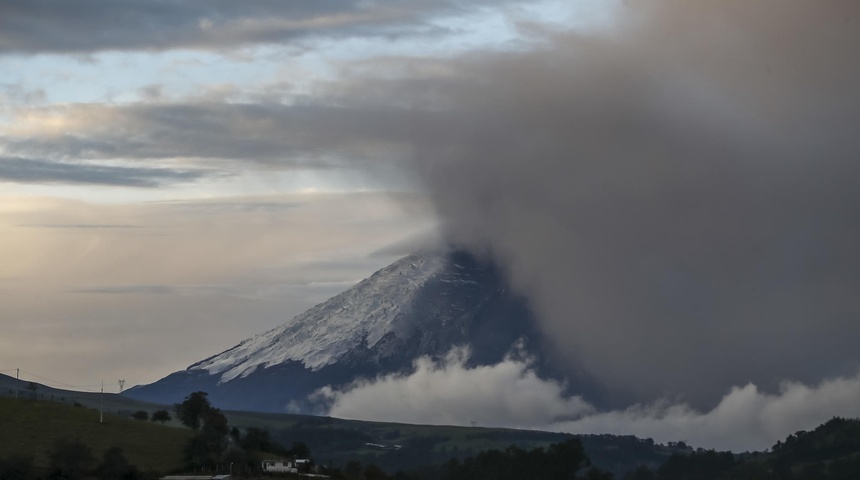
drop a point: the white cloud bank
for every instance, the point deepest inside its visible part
(745, 419)
(510, 394)
(507, 394)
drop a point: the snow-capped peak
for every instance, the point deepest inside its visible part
(363, 314)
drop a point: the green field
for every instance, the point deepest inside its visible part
(30, 427)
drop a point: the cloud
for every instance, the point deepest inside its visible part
(508, 394)
(91, 302)
(55, 26)
(224, 241)
(77, 226)
(683, 175)
(313, 135)
(687, 175)
(19, 94)
(128, 289)
(676, 196)
(26, 170)
(426, 240)
(745, 419)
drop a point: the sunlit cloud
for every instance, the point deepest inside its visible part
(510, 394)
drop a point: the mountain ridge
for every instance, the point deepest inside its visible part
(422, 305)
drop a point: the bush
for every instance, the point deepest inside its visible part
(70, 459)
(161, 416)
(16, 467)
(115, 466)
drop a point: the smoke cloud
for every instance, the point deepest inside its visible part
(677, 195)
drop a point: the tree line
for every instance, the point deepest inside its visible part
(215, 443)
(830, 452)
(560, 461)
(71, 460)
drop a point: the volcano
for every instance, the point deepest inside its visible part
(423, 305)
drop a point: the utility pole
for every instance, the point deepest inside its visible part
(17, 381)
(101, 403)
(121, 383)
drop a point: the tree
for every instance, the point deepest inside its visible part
(160, 416)
(17, 467)
(199, 452)
(596, 474)
(209, 444)
(566, 460)
(141, 415)
(215, 422)
(237, 457)
(300, 450)
(352, 470)
(705, 464)
(115, 466)
(256, 439)
(70, 459)
(373, 472)
(641, 473)
(33, 387)
(192, 409)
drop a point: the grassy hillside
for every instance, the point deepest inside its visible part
(30, 427)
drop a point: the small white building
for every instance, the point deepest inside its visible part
(280, 466)
(196, 477)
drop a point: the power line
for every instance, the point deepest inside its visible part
(83, 388)
(92, 388)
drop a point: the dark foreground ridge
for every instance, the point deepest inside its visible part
(33, 427)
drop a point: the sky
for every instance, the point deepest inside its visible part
(671, 183)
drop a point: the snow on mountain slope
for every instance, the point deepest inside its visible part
(364, 314)
(421, 306)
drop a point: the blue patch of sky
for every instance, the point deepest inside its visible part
(120, 76)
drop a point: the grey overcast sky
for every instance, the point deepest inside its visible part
(672, 183)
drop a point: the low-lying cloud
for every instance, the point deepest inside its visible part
(507, 394)
(745, 419)
(510, 394)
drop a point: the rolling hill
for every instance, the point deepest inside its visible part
(30, 427)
